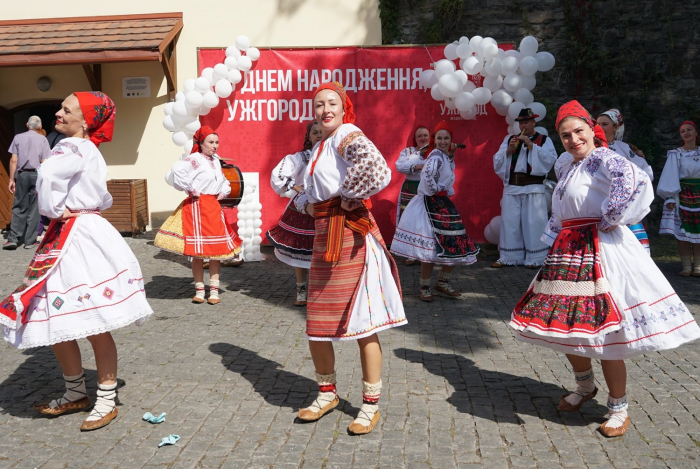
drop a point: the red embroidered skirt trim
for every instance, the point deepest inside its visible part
(570, 296)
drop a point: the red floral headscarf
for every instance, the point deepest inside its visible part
(349, 117)
(99, 112)
(413, 135)
(697, 139)
(574, 109)
(199, 136)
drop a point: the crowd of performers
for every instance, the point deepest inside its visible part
(597, 293)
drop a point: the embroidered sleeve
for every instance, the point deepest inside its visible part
(403, 163)
(283, 177)
(55, 176)
(184, 173)
(670, 181)
(630, 193)
(431, 173)
(368, 172)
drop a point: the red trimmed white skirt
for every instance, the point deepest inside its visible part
(600, 295)
(198, 228)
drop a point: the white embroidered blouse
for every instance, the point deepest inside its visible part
(198, 174)
(623, 149)
(408, 159)
(438, 174)
(680, 164)
(541, 159)
(74, 177)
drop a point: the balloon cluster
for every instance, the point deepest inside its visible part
(508, 78)
(250, 223)
(492, 231)
(200, 95)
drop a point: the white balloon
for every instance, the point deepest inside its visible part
(515, 108)
(492, 232)
(450, 103)
(524, 96)
(208, 73)
(202, 84)
(257, 214)
(464, 101)
(539, 109)
(240, 223)
(180, 139)
(451, 52)
(493, 83)
(482, 95)
(509, 120)
(443, 67)
(169, 124)
(253, 53)
(435, 93)
(475, 41)
(179, 108)
(180, 96)
(257, 240)
(462, 76)
(248, 232)
(514, 53)
(168, 108)
(545, 61)
(450, 85)
(464, 51)
(204, 110)
(169, 178)
(211, 100)
(541, 130)
(509, 65)
(494, 67)
(428, 78)
(468, 115)
(501, 100)
(188, 85)
(501, 54)
(472, 65)
(512, 82)
(249, 256)
(464, 40)
(528, 46)
(243, 43)
(469, 87)
(194, 99)
(232, 51)
(244, 63)
(192, 127)
(235, 76)
(489, 51)
(257, 231)
(231, 63)
(257, 223)
(188, 147)
(223, 88)
(501, 111)
(220, 71)
(528, 82)
(528, 66)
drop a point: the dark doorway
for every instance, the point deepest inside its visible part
(45, 111)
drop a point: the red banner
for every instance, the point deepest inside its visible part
(265, 119)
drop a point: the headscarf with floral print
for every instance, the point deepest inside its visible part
(349, 117)
(574, 109)
(616, 116)
(99, 112)
(199, 136)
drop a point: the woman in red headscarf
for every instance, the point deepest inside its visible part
(599, 295)
(680, 187)
(198, 228)
(410, 163)
(354, 289)
(431, 229)
(83, 281)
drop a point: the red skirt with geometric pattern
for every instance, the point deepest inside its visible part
(294, 232)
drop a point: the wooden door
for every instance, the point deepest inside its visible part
(6, 135)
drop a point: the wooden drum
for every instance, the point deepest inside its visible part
(235, 178)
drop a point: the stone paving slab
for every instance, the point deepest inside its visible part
(459, 390)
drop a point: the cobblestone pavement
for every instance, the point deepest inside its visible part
(459, 391)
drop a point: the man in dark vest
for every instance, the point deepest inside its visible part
(522, 163)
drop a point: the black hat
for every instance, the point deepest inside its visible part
(526, 114)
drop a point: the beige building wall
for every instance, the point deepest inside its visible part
(142, 149)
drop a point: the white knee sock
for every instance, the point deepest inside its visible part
(106, 393)
(444, 277)
(425, 282)
(617, 411)
(370, 402)
(75, 390)
(585, 384)
(213, 289)
(199, 288)
(326, 392)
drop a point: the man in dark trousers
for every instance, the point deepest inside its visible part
(28, 150)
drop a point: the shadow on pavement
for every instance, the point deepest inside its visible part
(499, 396)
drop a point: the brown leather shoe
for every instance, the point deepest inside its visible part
(446, 289)
(425, 294)
(566, 407)
(498, 265)
(232, 263)
(67, 408)
(309, 416)
(610, 432)
(359, 429)
(89, 425)
(214, 301)
(196, 299)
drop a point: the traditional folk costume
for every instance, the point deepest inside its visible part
(524, 203)
(293, 236)
(198, 227)
(409, 158)
(598, 294)
(83, 280)
(354, 287)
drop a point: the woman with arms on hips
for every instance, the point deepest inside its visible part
(431, 228)
(614, 127)
(354, 289)
(598, 294)
(293, 236)
(410, 163)
(84, 281)
(679, 185)
(198, 228)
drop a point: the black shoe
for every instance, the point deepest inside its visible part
(9, 246)
(32, 246)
